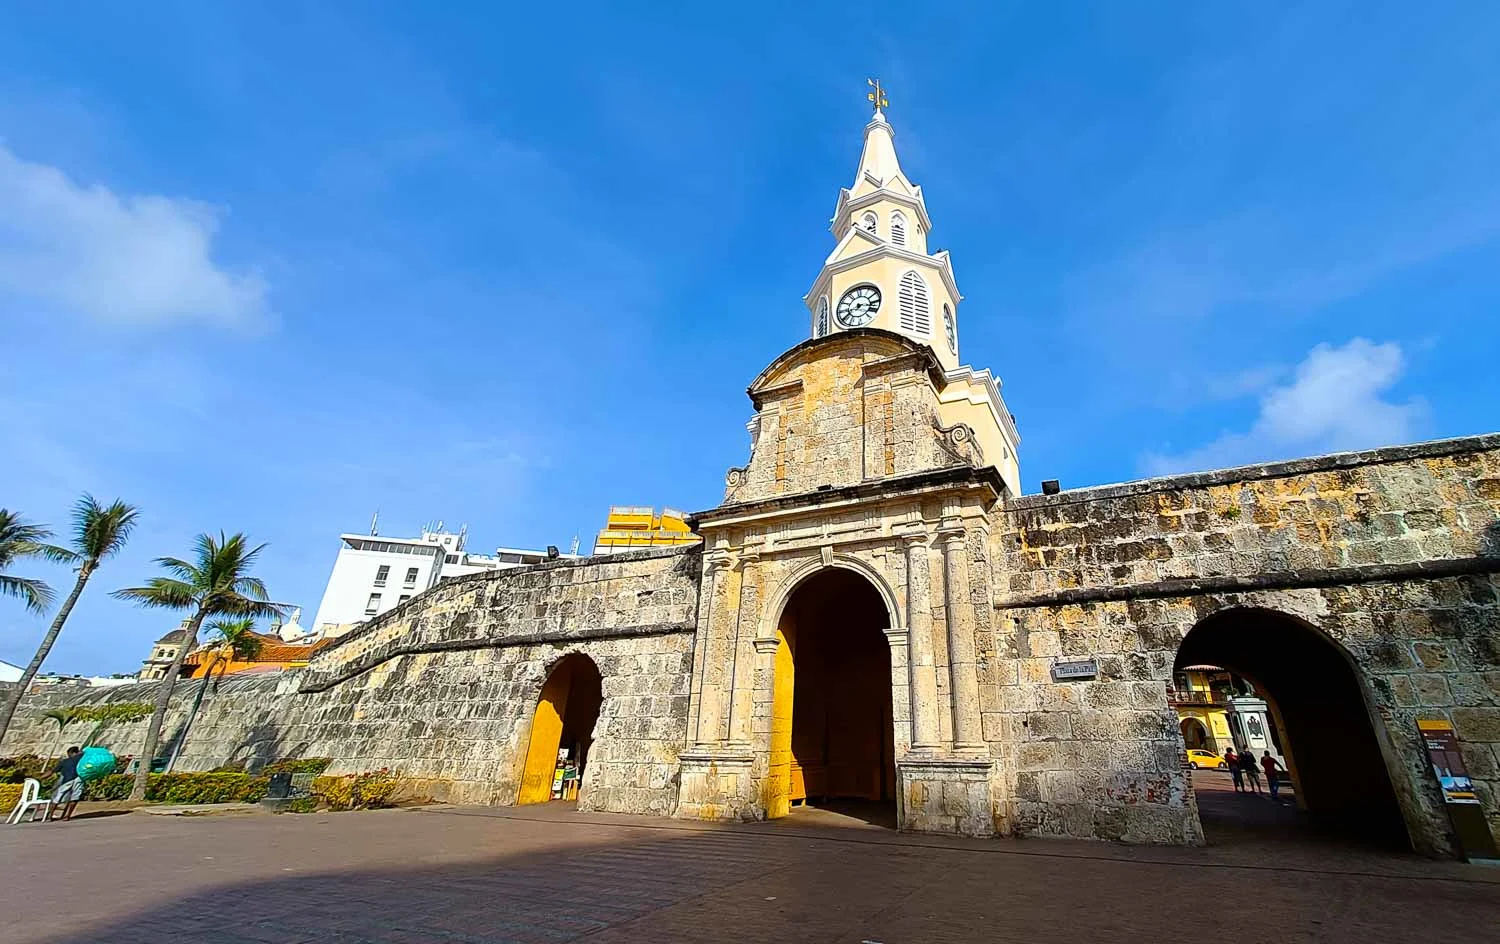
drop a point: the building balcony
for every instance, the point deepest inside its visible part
(1197, 698)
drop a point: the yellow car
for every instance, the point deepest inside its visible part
(1200, 759)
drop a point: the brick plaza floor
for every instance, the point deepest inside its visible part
(551, 874)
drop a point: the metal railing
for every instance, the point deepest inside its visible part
(1197, 697)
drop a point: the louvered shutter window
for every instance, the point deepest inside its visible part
(898, 229)
(821, 328)
(916, 314)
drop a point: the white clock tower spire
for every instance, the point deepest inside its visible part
(880, 273)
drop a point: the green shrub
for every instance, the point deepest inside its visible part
(210, 787)
(367, 791)
(307, 804)
(302, 765)
(10, 795)
(17, 769)
(206, 788)
(109, 787)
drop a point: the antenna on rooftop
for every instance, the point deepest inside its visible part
(463, 535)
(574, 549)
(375, 523)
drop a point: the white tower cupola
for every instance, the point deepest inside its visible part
(880, 273)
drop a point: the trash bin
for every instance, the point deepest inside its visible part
(281, 786)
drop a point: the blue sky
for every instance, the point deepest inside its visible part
(271, 269)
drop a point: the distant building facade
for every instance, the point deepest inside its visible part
(163, 653)
(636, 527)
(1200, 694)
(373, 574)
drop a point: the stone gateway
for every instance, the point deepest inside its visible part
(877, 615)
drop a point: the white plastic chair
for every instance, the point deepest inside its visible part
(31, 798)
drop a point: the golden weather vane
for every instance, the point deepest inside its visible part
(878, 95)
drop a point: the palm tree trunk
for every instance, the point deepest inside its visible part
(163, 697)
(35, 665)
(192, 716)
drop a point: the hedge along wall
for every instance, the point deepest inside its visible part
(442, 689)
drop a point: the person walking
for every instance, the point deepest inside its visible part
(1270, 765)
(1232, 763)
(1251, 770)
(69, 789)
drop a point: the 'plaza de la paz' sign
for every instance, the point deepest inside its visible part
(1074, 671)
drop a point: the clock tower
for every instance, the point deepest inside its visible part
(880, 273)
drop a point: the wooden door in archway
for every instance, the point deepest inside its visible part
(564, 720)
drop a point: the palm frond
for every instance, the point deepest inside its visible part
(236, 605)
(252, 587)
(184, 571)
(99, 531)
(236, 638)
(34, 593)
(17, 531)
(161, 593)
(53, 553)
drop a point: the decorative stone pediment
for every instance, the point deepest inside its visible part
(852, 407)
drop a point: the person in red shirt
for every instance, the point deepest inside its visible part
(1232, 760)
(1270, 765)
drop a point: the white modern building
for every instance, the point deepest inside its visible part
(374, 573)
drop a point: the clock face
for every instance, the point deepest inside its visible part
(858, 306)
(948, 327)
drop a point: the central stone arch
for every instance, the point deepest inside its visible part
(832, 738)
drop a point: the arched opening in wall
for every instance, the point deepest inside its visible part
(562, 731)
(1195, 735)
(832, 733)
(1272, 685)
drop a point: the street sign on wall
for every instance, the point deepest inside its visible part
(1074, 671)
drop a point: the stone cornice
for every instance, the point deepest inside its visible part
(1279, 580)
(936, 480)
(1268, 470)
(939, 262)
(318, 680)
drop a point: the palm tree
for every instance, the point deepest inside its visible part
(233, 639)
(18, 540)
(216, 582)
(99, 531)
(63, 717)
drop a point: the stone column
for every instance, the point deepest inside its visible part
(924, 700)
(742, 673)
(963, 675)
(713, 690)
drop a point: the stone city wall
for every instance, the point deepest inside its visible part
(442, 689)
(1392, 554)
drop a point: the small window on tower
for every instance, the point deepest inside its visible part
(898, 229)
(821, 327)
(868, 222)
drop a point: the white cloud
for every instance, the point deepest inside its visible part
(131, 259)
(1336, 401)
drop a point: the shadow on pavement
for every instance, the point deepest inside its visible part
(572, 876)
